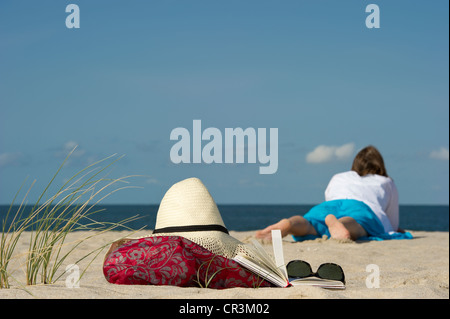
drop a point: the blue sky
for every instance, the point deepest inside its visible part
(136, 70)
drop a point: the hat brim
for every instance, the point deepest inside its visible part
(216, 242)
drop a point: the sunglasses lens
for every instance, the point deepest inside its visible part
(331, 271)
(299, 269)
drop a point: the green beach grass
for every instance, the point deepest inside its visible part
(71, 208)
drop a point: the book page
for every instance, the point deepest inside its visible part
(265, 257)
(262, 263)
(318, 282)
(277, 243)
(261, 270)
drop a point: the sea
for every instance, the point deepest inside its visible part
(253, 217)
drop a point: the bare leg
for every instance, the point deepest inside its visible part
(301, 226)
(295, 225)
(344, 228)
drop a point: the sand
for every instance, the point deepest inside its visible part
(417, 268)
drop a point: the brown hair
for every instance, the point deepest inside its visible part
(369, 161)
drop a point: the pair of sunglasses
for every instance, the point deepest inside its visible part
(302, 269)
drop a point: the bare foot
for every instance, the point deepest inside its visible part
(266, 234)
(336, 228)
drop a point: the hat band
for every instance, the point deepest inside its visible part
(191, 228)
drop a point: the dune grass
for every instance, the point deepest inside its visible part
(205, 282)
(71, 208)
(10, 237)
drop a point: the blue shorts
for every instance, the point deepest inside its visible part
(358, 210)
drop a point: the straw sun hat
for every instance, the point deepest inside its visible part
(188, 210)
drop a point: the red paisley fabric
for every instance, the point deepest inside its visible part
(174, 261)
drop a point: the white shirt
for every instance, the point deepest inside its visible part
(376, 191)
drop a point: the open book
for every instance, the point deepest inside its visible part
(273, 269)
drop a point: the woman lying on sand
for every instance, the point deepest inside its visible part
(359, 204)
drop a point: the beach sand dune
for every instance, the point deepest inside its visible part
(417, 268)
